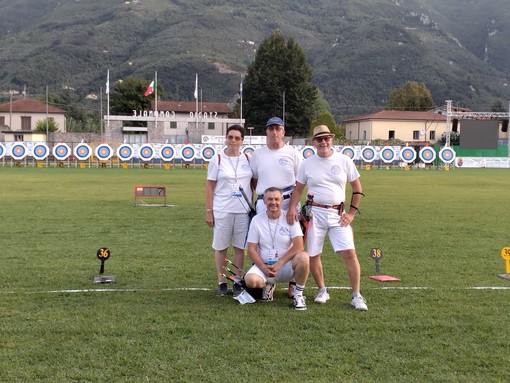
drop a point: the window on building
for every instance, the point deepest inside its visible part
(2, 120)
(18, 137)
(26, 123)
(416, 134)
(432, 135)
(364, 135)
(173, 124)
(210, 125)
(135, 138)
(391, 135)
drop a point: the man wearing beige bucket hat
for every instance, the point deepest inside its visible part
(326, 175)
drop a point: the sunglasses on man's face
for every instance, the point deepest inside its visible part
(274, 127)
(237, 138)
(320, 139)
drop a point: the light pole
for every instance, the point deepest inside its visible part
(250, 128)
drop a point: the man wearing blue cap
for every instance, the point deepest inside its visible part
(275, 165)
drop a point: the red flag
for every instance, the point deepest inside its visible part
(150, 89)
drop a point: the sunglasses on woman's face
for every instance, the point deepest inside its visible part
(237, 138)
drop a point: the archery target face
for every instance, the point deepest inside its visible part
(308, 151)
(427, 154)
(18, 151)
(188, 153)
(41, 151)
(167, 152)
(82, 151)
(368, 154)
(146, 152)
(248, 149)
(125, 152)
(61, 151)
(208, 152)
(387, 154)
(447, 155)
(349, 152)
(407, 154)
(104, 152)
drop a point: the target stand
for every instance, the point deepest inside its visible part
(155, 194)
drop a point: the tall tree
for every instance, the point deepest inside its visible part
(411, 96)
(128, 95)
(280, 78)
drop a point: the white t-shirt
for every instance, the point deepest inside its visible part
(326, 177)
(232, 173)
(275, 168)
(273, 234)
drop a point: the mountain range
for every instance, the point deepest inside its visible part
(359, 50)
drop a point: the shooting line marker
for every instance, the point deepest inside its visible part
(376, 255)
(505, 254)
(103, 254)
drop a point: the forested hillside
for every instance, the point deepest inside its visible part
(359, 49)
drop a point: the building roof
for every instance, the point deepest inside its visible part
(29, 105)
(399, 115)
(190, 106)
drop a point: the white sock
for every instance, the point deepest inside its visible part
(356, 294)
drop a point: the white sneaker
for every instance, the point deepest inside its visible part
(267, 292)
(299, 303)
(321, 297)
(359, 303)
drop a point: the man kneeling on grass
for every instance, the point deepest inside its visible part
(276, 249)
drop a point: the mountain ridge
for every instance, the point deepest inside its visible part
(359, 50)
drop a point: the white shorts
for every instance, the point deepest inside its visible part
(327, 221)
(285, 274)
(230, 227)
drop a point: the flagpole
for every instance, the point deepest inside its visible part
(101, 125)
(241, 94)
(156, 96)
(196, 101)
(107, 99)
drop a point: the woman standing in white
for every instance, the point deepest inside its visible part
(326, 175)
(228, 174)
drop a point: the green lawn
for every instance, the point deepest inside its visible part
(441, 232)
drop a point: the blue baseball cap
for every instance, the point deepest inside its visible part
(274, 121)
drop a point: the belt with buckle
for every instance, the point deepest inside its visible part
(285, 190)
(336, 207)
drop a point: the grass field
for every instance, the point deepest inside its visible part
(441, 232)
